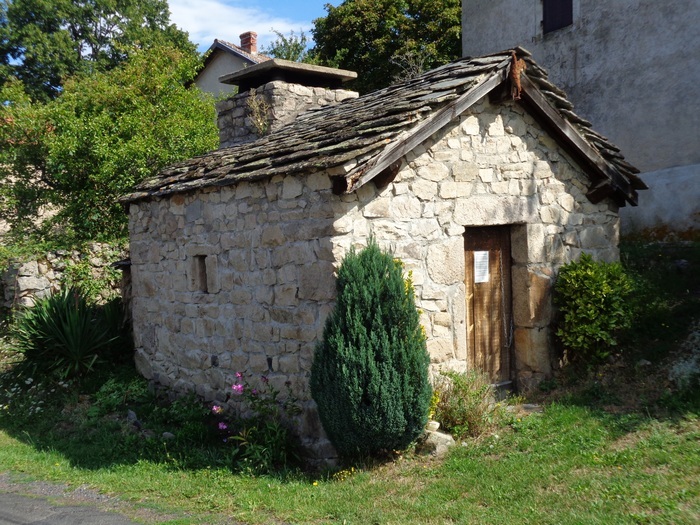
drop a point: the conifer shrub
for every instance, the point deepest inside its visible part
(370, 372)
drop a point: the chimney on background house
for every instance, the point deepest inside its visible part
(249, 42)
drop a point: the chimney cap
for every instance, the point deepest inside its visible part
(287, 71)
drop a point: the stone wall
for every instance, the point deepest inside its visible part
(495, 167)
(278, 104)
(25, 281)
(241, 278)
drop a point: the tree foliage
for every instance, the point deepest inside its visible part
(102, 135)
(292, 47)
(44, 42)
(384, 39)
(370, 372)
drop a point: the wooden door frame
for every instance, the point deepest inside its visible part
(497, 241)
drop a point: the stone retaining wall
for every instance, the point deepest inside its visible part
(24, 281)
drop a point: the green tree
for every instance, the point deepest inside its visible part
(369, 377)
(292, 47)
(385, 39)
(102, 135)
(44, 42)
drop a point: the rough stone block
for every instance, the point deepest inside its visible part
(272, 236)
(532, 350)
(440, 350)
(464, 172)
(446, 261)
(291, 187)
(317, 281)
(434, 172)
(286, 295)
(405, 207)
(486, 210)
(450, 189)
(470, 125)
(377, 208)
(424, 189)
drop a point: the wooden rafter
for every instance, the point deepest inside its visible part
(430, 126)
(575, 144)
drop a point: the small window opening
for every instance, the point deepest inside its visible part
(556, 14)
(200, 273)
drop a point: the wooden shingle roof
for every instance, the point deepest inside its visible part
(381, 127)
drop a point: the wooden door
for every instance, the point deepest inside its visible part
(488, 296)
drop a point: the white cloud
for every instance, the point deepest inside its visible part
(206, 20)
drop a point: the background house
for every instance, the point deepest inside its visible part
(223, 58)
(483, 197)
(629, 66)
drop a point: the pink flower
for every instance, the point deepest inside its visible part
(223, 426)
(216, 409)
(239, 375)
(237, 389)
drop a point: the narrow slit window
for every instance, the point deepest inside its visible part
(556, 14)
(200, 273)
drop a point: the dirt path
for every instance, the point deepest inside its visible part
(37, 502)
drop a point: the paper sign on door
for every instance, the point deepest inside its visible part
(481, 267)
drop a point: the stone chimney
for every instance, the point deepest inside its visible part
(271, 94)
(249, 42)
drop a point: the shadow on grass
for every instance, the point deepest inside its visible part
(111, 418)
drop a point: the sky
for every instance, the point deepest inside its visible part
(206, 20)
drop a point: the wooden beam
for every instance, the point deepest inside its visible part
(431, 125)
(573, 142)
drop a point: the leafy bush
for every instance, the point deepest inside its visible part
(62, 334)
(466, 403)
(593, 306)
(370, 372)
(81, 275)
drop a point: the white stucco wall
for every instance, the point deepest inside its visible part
(670, 209)
(221, 64)
(630, 66)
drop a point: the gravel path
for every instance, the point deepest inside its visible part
(37, 502)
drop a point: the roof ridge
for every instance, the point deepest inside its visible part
(385, 123)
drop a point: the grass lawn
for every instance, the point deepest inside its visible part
(570, 464)
(615, 445)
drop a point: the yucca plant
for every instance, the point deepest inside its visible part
(62, 334)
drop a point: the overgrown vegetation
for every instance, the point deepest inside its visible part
(77, 154)
(466, 404)
(65, 334)
(262, 438)
(370, 372)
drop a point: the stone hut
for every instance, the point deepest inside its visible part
(479, 176)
